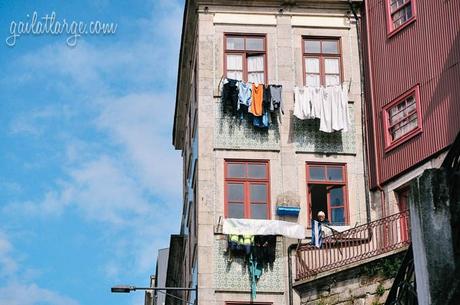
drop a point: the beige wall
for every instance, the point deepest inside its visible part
(287, 167)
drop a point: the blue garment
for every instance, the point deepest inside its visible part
(244, 94)
(316, 237)
(255, 272)
(261, 121)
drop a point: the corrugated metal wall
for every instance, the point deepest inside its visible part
(426, 52)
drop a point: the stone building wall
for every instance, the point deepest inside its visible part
(367, 284)
(286, 150)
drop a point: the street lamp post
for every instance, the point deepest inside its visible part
(128, 289)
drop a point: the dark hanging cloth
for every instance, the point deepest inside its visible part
(266, 98)
(275, 98)
(264, 249)
(230, 96)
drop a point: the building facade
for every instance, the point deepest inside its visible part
(413, 71)
(412, 66)
(233, 169)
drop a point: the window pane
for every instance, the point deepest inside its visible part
(312, 80)
(235, 43)
(317, 173)
(234, 62)
(334, 173)
(330, 47)
(258, 211)
(236, 170)
(331, 65)
(394, 4)
(235, 192)
(312, 46)
(254, 44)
(312, 65)
(402, 16)
(238, 75)
(257, 171)
(410, 106)
(255, 63)
(258, 192)
(336, 197)
(236, 210)
(338, 216)
(256, 69)
(332, 80)
(256, 77)
(397, 113)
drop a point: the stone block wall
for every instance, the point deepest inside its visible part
(367, 284)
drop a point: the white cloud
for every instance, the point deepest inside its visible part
(31, 294)
(15, 293)
(8, 265)
(32, 122)
(128, 177)
(141, 124)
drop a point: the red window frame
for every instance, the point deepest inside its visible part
(322, 56)
(389, 142)
(247, 182)
(245, 53)
(342, 183)
(391, 28)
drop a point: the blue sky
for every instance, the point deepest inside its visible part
(90, 185)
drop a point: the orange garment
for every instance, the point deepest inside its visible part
(257, 97)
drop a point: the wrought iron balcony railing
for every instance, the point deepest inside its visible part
(359, 243)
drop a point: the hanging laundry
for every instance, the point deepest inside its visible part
(326, 110)
(267, 98)
(257, 98)
(258, 251)
(316, 97)
(316, 234)
(302, 103)
(275, 98)
(345, 109)
(262, 121)
(229, 95)
(329, 104)
(255, 272)
(244, 95)
(264, 249)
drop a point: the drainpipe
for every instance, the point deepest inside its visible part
(289, 250)
(363, 111)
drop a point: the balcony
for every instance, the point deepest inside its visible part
(361, 243)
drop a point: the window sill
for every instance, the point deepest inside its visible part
(393, 32)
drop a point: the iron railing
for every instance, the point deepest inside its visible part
(359, 243)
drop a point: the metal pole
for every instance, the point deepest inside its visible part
(127, 289)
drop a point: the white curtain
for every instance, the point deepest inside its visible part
(312, 66)
(235, 67)
(331, 66)
(256, 69)
(312, 80)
